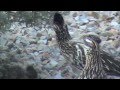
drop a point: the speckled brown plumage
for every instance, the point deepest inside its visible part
(74, 52)
(94, 67)
(68, 48)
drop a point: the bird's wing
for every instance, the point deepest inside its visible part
(111, 66)
(79, 55)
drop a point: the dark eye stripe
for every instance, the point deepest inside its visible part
(95, 44)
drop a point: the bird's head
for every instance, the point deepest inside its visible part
(92, 41)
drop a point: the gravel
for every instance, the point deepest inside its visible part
(39, 48)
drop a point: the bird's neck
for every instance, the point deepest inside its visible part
(93, 58)
(93, 67)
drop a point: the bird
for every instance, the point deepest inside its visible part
(74, 52)
(93, 67)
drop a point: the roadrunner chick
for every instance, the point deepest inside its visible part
(74, 52)
(94, 67)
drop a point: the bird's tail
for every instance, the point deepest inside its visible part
(58, 20)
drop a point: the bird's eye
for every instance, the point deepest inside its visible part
(89, 42)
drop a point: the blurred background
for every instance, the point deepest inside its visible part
(28, 48)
